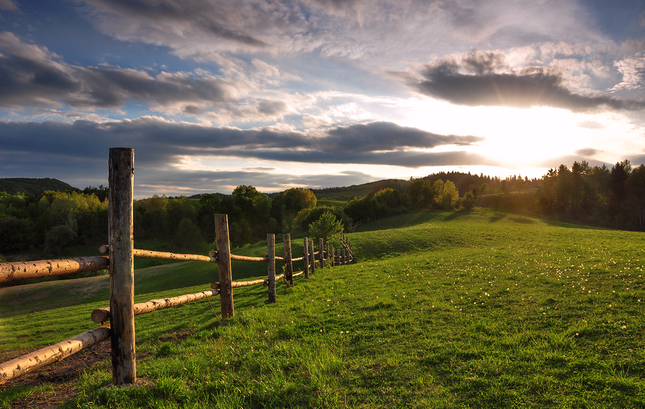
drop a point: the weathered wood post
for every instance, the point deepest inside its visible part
(305, 256)
(224, 270)
(288, 271)
(322, 253)
(313, 256)
(120, 230)
(328, 256)
(271, 266)
(345, 260)
(332, 254)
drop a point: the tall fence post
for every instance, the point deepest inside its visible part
(313, 256)
(288, 273)
(271, 266)
(120, 225)
(328, 256)
(305, 256)
(224, 270)
(322, 253)
(333, 256)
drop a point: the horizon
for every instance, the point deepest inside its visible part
(317, 93)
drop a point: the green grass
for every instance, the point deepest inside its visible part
(470, 309)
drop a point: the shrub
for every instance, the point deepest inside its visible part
(326, 227)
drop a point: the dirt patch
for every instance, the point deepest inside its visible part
(63, 375)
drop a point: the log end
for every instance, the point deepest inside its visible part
(100, 315)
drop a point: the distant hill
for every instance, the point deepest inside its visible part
(33, 186)
(348, 193)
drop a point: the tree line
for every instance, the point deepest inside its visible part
(51, 222)
(596, 195)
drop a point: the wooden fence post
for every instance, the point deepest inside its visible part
(313, 256)
(120, 216)
(224, 270)
(305, 256)
(333, 254)
(271, 266)
(288, 271)
(322, 253)
(328, 256)
(345, 259)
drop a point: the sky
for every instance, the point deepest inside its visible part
(317, 93)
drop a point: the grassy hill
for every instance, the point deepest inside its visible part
(33, 186)
(468, 309)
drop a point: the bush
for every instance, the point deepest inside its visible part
(58, 238)
(188, 237)
(326, 227)
(16, 234)
(468, 201)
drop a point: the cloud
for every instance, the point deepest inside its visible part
(633, 72)
(77, 152)
(7, 5)
(33, 76)
(591, 125)
(164, 145)
(472, 81)
(587, 152)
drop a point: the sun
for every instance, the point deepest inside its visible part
(514, 138)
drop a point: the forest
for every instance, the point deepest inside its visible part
(48, 224)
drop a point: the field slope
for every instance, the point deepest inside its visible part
(469, 309)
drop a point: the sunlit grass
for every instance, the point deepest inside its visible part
(471, 309)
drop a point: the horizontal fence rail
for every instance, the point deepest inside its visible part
(119, 260)
(45, 356)
(46, 268)
(101, 315)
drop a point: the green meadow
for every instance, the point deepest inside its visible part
(471, 309)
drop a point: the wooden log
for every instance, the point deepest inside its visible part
(224, 266)
(46, 268)
(185, 257)
(271, 267)
(287, 259)
(298, 274)
(277, 278)
(172, 256)
(305, 256)
(296, 259)
(235, 257)
(45, 356)
(322, 253)
(120, 222)
(236, 284)
(313, 258)
(101, 315)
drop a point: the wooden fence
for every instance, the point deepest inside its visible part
(120, 261)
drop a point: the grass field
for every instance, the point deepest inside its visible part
(470, 309)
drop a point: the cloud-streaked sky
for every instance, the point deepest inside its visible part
(316, 93)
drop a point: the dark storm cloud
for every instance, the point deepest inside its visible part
(472, 81)
(162, 144)
(30, 75)
(111, 88)
(33, 76)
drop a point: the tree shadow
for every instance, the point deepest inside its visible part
(497, 217)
